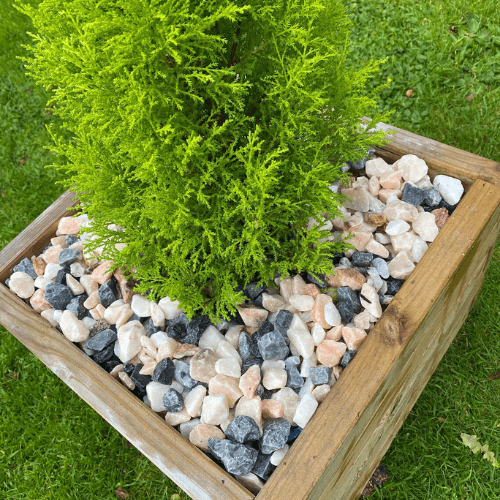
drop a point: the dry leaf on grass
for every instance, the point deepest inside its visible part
(121, 493)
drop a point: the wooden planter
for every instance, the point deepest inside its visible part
(339, 449)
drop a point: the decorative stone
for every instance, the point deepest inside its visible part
(193, 400)
(275, 435)
(253, 316)
(290, 399)
(329, 352)
(345, 277)
(449, 188)
(200, 435)
(214, 410)
(401, 266)
(89, 284)
(68, 256)
(305, 410)
(321, 374)
(101, 274)
(172, 400)
(202, 367)
(243, 429)
(370, 301)
(441, 215)
(400, 210)
(129, 340)
(26, 266)
(72, 328)
(237, 458)
(164, 371)
(418, 250)
(211, 338)
(22, 284)
(38, 302)
(425, 226)
(221, 384)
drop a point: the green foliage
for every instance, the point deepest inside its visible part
(210, 131)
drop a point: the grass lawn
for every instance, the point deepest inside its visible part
(54, 446)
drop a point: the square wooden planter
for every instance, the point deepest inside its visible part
(336, 454)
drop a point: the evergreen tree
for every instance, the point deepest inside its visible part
(209, 130)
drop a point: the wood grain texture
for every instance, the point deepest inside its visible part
(342, 444)
(175, 456)
(37, 235)
(440, 158)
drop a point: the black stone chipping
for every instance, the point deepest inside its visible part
(320, 375)
(164, 371)
(58, 296)
(238, 459)
(243, 429)
(140, 381)
(76, 306)
(173, 401)
(108, 292)
(26, 266)
(102, 339)
(275, 435)
(68, 256)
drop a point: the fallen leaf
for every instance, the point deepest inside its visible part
(441, 419)
(493, 377)
(470, 97)
(121, 493)
(409, 93)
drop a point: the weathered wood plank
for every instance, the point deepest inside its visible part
(36, 236)
(351, 430)
(441, 158)
(175, 456)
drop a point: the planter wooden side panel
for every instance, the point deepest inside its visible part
(174, 455)
(441, 158)
(337, 452)
(37, 235)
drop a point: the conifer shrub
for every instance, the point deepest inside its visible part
(208, 130)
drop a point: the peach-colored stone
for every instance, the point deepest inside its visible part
(38, 265)
(222, 384)
(126, 286)
(253, 316)
(69, 225)
(312, 290)
(334, 334)
(329, 352)
(377, 248)
(400, 210)
(385, 194)
(185, 350)
(89, 284)
(38, 302)
(346, 277)
(249, 381)
(401, 266)
(391, 180)
(22, 284)
(51, 256)
(374, 186)
(202, 367)
(272, 408)
(101, 274)
(359, 240)
(441, 215)
(353, 337)
(167, 349)
(200, 435)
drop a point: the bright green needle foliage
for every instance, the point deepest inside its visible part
(209, 130)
